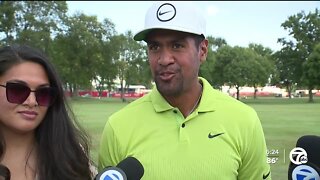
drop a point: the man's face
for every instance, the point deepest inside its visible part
(175, 60)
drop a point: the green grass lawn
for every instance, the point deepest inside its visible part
(283, 121)
(93, 114)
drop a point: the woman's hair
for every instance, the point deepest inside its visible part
(63, 149)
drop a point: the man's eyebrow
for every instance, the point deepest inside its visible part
(151, 42)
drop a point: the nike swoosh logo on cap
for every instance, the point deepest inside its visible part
(214, 135)
(162, 13)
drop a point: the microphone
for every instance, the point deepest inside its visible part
(305, 159)
(128, 169)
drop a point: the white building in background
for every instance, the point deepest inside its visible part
(249, 91)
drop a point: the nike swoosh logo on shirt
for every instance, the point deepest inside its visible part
(265, 176)
(214, 135)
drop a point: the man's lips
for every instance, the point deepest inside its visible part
(166, 75)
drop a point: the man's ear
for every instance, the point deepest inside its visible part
(203, 50)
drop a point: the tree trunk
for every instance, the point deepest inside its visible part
(255, 92)
(71, 91)
(289, 90)
(238, 93)
(75, 91)
(122, 91)
(310, 95)
(100, 89)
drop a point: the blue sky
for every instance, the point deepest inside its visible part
(238, 22)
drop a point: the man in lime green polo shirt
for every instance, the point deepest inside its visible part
(184, 129)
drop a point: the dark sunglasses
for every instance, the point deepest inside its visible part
(17, 93)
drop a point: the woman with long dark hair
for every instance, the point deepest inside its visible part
(39, 137)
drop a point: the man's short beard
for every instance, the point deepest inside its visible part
(173, 91)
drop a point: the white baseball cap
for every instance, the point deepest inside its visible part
(178, 16)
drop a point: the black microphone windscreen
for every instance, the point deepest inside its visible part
(311, 144)
(132, 167)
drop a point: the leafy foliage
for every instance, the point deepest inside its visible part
(304, 30)
(86, 51)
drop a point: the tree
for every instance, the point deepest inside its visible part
(232, 67)
(207, 68)
(238, 66)
(106, 70)
(38, 22)
(261, 50)
(311, 71)
(131, 61)
(32, 23)
(262, 66)
(304, 30)
(286, 65)
(138, 71)
(78, 51)
(7, 21)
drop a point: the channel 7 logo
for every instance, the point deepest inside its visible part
(303, 170)
(298, 156)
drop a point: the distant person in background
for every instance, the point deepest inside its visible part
(184, 129)
(39, 139)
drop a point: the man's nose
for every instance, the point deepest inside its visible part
(166, 57)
